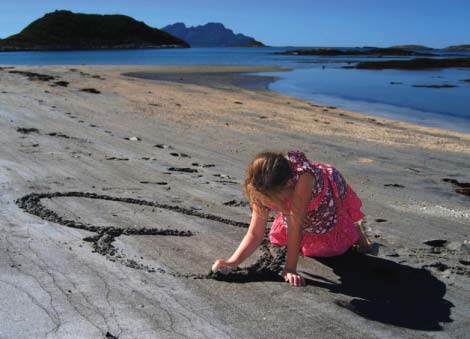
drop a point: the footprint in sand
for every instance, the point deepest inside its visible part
(90, 90)
(180, 155)
(163, 146)
(163, 183)
(183, 169)
(26, 130)
(394, 185)
(117, 158)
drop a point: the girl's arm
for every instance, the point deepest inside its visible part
(253, 238)
(295, 218)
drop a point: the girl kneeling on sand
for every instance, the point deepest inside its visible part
(319, 214)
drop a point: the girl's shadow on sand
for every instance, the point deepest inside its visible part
(382, 290)
(387, 292)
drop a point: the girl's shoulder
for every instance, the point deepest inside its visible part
(321, 171)
(300, 164)
(296, 156)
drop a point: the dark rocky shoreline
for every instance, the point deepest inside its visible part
(414, 64)
(354, 52)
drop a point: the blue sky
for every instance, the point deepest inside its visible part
(436, 23)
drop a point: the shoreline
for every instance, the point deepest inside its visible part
(119, 193)
(254, 81)
(453, 100)
(394, 112)
(240, 79)
(392, 132)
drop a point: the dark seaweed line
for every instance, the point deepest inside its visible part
(267, 267)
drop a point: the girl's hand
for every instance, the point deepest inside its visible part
(223, 266)
(293, 278)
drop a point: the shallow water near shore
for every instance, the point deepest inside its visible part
(387, 93)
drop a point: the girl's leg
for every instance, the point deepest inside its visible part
(363, 244)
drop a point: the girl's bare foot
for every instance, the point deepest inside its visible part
(363, 244)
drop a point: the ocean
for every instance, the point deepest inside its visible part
(385, 93)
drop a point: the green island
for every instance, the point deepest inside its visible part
(65, 30)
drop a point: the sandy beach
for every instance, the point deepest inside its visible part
(119, 191)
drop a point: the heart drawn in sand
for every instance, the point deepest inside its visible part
(267, 267)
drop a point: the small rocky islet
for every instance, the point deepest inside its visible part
(423, 60)
(355, 52)
(413, 64)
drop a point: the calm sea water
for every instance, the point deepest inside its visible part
(315, 78)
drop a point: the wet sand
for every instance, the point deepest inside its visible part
(118, 193)
(218, 80)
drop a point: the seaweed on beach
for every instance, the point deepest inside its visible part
(33, 76)
(463, 187)
(61, 83)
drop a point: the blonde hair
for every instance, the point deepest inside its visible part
(268, 174)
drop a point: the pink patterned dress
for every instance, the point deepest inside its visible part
(328, 229)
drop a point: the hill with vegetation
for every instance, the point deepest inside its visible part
(210, 35)
(412, 47)
(64, 30)
(458, 48)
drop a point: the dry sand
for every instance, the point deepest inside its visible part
(156, 210)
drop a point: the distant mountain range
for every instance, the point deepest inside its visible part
(210, 35)
(64, 30)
